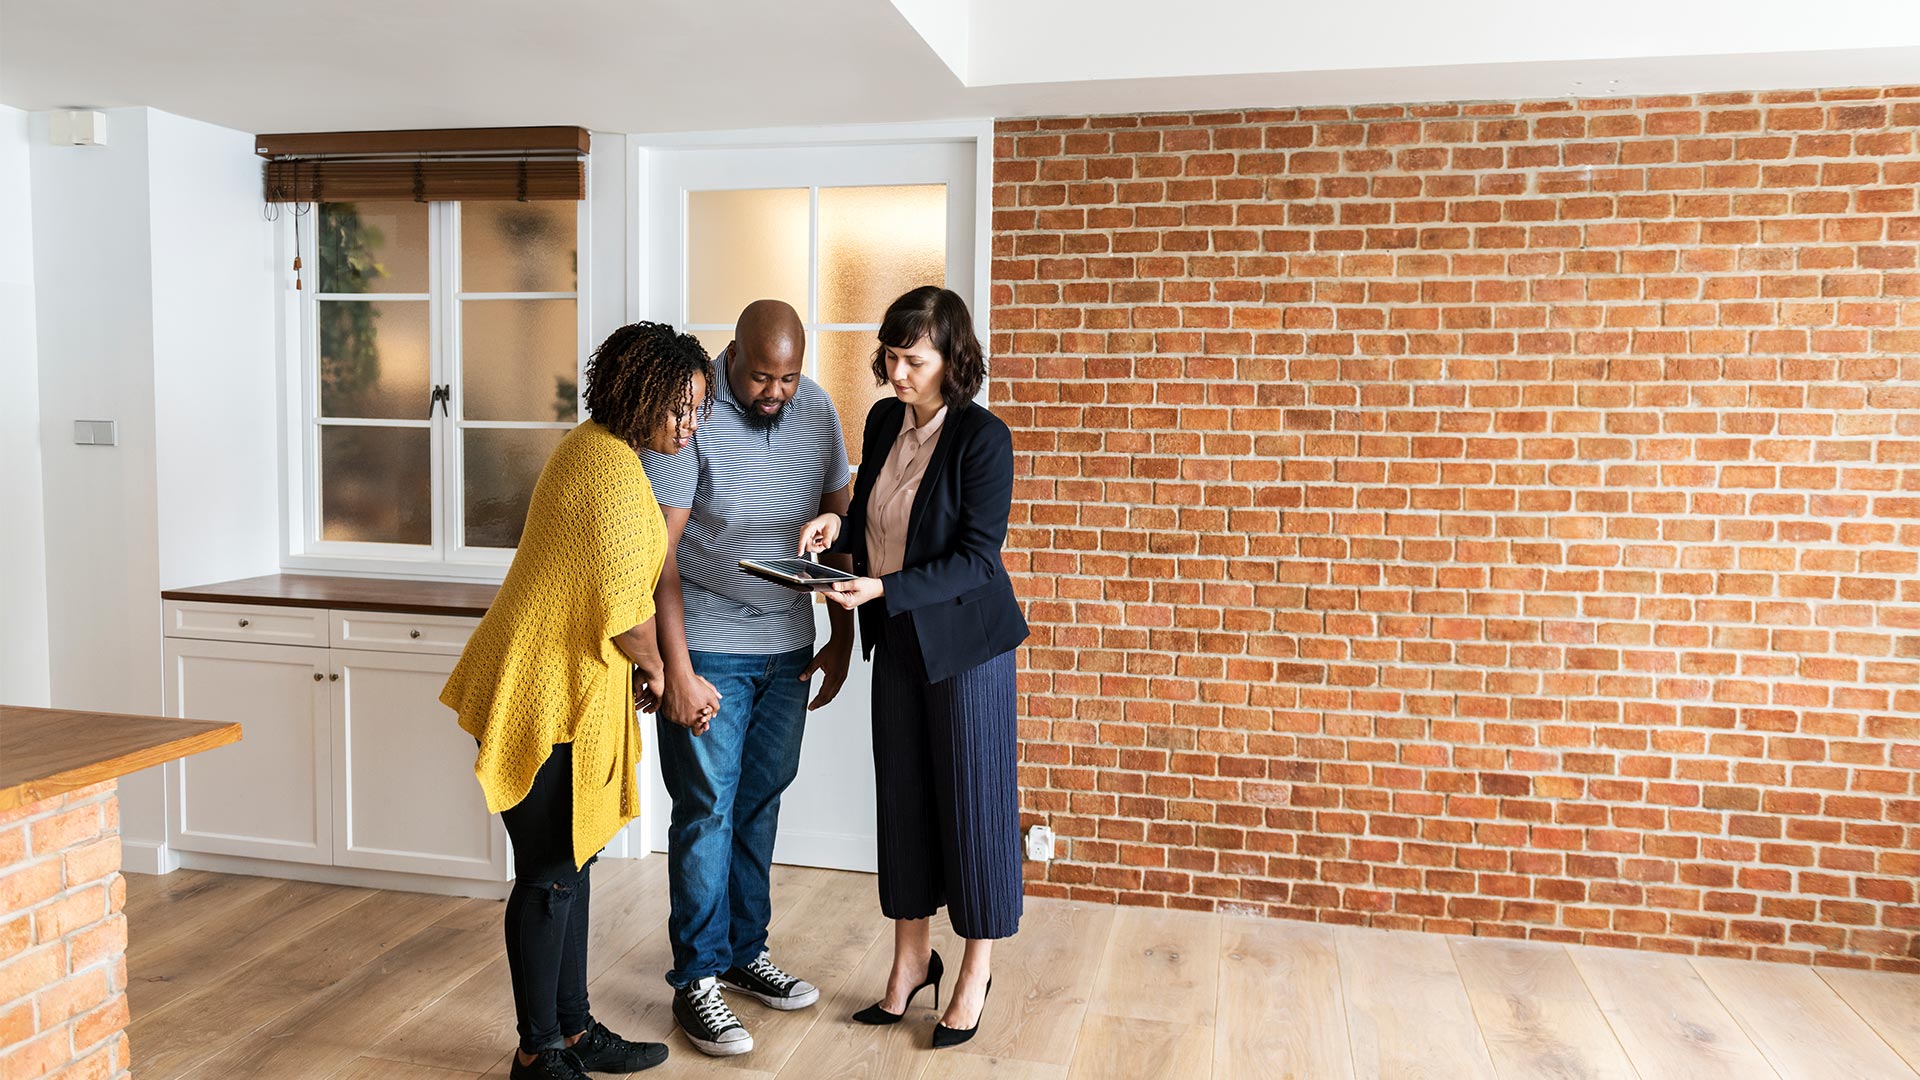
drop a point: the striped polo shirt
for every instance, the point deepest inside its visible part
(749, 490)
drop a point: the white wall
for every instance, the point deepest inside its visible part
(218, 444)
(1018, 42)
(23, 556)
(154, 284)
(93, 287)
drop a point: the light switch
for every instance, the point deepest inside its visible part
(94, 433)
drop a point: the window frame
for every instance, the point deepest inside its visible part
(447, 554)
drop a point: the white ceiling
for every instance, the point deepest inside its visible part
(677, 65)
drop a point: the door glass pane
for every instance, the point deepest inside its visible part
(876, 243)
(373, 359)
(744, 246)
(519, 359)
(519, 247)
(845, 368)
(372, 247)
(374, 485)
(715, 341)
(501, 467)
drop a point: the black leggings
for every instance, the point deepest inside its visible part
(547, 911)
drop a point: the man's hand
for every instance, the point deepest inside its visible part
(689, 701)
(832, 662)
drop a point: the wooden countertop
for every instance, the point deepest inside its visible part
(347, 594)
(44, 752)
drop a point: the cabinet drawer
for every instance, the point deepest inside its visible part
(393, 631)
(244, 622)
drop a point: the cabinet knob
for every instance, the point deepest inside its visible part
(335, 676)
(317, 676)
(413, 633)
(243, 622)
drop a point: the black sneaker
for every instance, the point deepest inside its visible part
(600, 1050)
(709, 1023)
(774, 988)
(553, 1063)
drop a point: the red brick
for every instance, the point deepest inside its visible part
(1501, 524)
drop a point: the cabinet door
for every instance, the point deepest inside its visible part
(404, 794)
(267, 796)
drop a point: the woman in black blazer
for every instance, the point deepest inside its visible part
(938, 615)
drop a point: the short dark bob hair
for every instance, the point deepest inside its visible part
(940, 316)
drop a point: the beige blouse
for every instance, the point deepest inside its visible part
(890, 503)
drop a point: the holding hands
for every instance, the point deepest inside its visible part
(685, 699)
(818, 535)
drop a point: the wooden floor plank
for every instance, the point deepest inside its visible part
(1802, 1026)
(838, 1047)
(1667, 1020)
(335, 1027)
(372, 1068)
(204, 908)
(1161, 965)
(1407, 1011)
(169, 1041)
(1535, 1013)
(261, 978)
(472, 1026)
(951, 1066)
(1043, 979)
(1132, 1048)
(824, 922)
(1888, 1002)
(274, 920)
(1280, 1002)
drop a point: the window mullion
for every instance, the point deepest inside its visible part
(446, 343)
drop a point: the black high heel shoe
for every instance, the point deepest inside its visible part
(874, 1014)
(944, 1036)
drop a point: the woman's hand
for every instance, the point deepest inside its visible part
(819, 534)
(851, 594)
(689, 701)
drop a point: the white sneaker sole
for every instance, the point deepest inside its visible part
(784, 1004)
(716, 1049)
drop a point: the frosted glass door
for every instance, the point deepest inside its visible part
(839, 233)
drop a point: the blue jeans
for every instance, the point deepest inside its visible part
(726, 787)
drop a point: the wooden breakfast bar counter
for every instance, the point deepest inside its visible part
(63, 938)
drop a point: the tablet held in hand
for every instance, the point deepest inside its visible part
(802, 574)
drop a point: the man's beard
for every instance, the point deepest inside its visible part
(761, 421)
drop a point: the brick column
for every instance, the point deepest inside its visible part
(63, 939)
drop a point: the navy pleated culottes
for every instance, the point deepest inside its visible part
(947, 789)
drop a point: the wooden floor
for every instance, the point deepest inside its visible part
(250, 977)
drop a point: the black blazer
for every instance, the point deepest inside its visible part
(952, 581)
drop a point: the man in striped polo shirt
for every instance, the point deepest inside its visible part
(740, 660)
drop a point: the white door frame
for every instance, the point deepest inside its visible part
(792, 157)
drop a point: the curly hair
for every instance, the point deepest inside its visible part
(940, 316)
(642, 376)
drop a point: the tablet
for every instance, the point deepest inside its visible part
(801, 574)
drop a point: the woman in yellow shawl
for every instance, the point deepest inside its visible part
(549, 680)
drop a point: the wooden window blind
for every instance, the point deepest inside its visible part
(426, 166)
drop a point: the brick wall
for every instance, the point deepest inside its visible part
(63, 940)
(1484, 518)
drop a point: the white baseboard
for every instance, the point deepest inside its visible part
(344, 875)
(147, 857)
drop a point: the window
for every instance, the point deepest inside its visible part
(838, 233)
(442, 359)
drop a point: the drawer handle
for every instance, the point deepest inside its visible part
(243, 622)
(335, 676)
(316, 676)
(413, 633)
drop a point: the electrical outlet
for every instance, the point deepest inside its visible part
(1040, 843)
